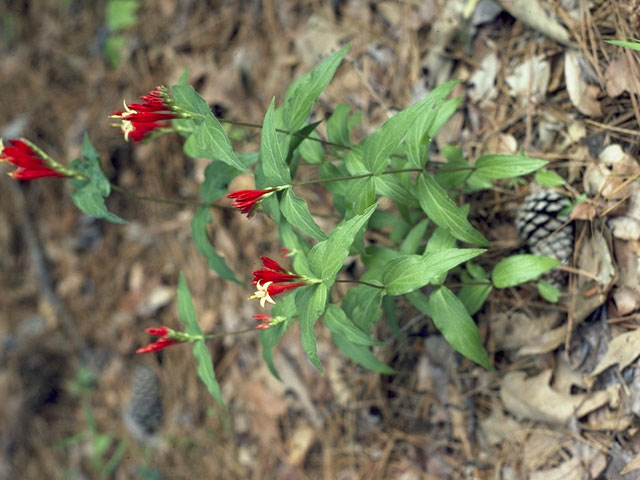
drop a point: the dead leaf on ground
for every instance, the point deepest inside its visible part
(582, 95)
(533, 398)
(532, 14)
(632, 465)
(621, 350)
(619, 78)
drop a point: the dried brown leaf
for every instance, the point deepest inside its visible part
(621, 350)
(582, 95)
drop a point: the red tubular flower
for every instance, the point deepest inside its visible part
(247, 200)
(140, 119)
(272, 272)
(30, 164)
(265, 320)
(164, 341)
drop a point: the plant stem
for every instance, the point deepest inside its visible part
(360, 282)
(280, 130)
(355, 177)
(172, 201)
(224, 334)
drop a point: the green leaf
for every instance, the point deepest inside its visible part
(361, 355)
(295, 210)
(548, 178)
(188, 99)
(384, 141)
(456, 171)
(454, 322)
(362, 305)
(274, 168)
(304, 92)
(633, 44)
(548, 291)
(90, 201)
(113, 48)
(418, 139)
(206, 372)
(444, 212)
(217, 177)
(518, 269)
(389, 186)
(337, 322)
(199, 223)
(312, 151)
(121, 14)
(209, 140)
(410, 272)
(338, 130)
(269, 338)
(474, 296)
(311, 302)
(186, 310)
(443, 114)
(298, 138)
(416, 235)
(497, 166)
(90, 193)
(326, 258)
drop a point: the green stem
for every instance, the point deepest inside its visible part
(355, 177)
(224, 334)
(360, 282)
(172, 201)
(280, 130)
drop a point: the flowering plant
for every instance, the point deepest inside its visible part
(430, 236)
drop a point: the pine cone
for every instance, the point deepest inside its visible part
(537, 219)
(145, 413)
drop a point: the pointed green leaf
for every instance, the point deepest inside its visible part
(188, 99)
(337, 322)
(186, 310)
(299, 137)
(295, 210)
(206, 372)
(444, 212)
(199, 223)
(274, 168)
(549, 179)
(209, 140)
(269, 338)
(338, 130)
(456, 171)
(456, 325)
(410, 272)
(518, 269)
(548, 291)
(326, 258)
(474, 296)
(89, 195)
(302, 95)
(384, 141)
(361, 355)
(496, 166)
(311, 302)
(415, 237)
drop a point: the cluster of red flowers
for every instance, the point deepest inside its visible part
(140, 119)
(272, 280)
(30, 164)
